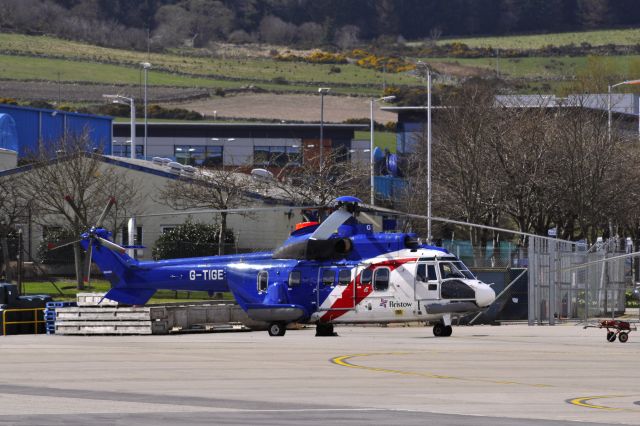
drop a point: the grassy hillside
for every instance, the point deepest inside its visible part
(34, 57)
(595, 38)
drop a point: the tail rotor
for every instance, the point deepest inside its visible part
(92, 236)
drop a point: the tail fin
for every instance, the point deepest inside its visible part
(117, 267)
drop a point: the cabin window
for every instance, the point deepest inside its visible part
(365, 276)
(344, 277)
(263, 281)
(295, 277)
(328, 276)
(381, 279)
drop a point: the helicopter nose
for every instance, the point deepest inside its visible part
(484, 295)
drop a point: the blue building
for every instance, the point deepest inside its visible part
(35, 125)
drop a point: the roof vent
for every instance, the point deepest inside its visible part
(175, 167)
(262, 174)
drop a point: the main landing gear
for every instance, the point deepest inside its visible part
(277, 329)
(441, 330)
(324, 329)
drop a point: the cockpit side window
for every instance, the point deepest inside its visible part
(421, 272)
(448, 270)
(263, 281)
(381, 279)
(431, 269)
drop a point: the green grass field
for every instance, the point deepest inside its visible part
(625, 37)
(384, 140)
(70, 291)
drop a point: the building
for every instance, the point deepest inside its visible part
(35, 125)
(234, 144)
(265, 231)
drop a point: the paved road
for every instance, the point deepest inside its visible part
(509, 375)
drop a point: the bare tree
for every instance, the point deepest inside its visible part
(347, 36)
(70, 168)
(210, 188)
(316, 181)
(12, 207)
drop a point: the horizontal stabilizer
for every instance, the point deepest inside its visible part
(130, 296)
(272, 312)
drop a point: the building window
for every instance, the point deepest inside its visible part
(381, 279)
(295, 277)
(167, 228)
(125, 236)
(263, 281)
(277, 156)
(198, 155)
(124, 150)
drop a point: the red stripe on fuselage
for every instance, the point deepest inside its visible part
(346, 302)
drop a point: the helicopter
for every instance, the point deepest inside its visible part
(333, 272)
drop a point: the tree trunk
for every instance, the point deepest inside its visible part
(5, 258)
(77, 257)
(223, 232)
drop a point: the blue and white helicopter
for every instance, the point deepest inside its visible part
(337, 271)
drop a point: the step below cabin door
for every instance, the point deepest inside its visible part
(426, 285)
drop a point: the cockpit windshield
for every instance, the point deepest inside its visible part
(455, 269)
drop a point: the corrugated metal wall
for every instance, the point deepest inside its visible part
(34, 125)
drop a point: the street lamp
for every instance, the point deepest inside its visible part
(119, 99)
(611, 86)
(322, 91)
(371, 102)
(428, 70)
(145, 66)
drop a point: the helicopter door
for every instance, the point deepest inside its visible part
(426, 285)
(341, 294)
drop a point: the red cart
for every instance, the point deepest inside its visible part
(615, 328)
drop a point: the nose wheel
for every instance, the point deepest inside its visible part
(441, 330)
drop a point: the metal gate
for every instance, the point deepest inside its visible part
(567, 281)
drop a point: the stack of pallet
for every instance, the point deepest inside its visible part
(50, 314)
(153, 319)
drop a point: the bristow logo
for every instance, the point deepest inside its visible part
(392, 304)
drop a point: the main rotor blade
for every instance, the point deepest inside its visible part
(56, 247)
(238, 210)
(111, 245)
(474, 225)
(105, 212)
(330, 225)
(87, 263)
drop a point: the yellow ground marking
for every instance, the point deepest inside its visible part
(343, 361)
(583, 402)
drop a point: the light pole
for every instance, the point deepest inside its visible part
(322, 91)
(611, 86)
(422, 64)
(145, 66)
(371, 165)
(119, 99)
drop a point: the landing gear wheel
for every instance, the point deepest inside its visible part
(448, 330)
(277, 329)
(623, 337)
(439, 329)
(324, 329)
(611, 336)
